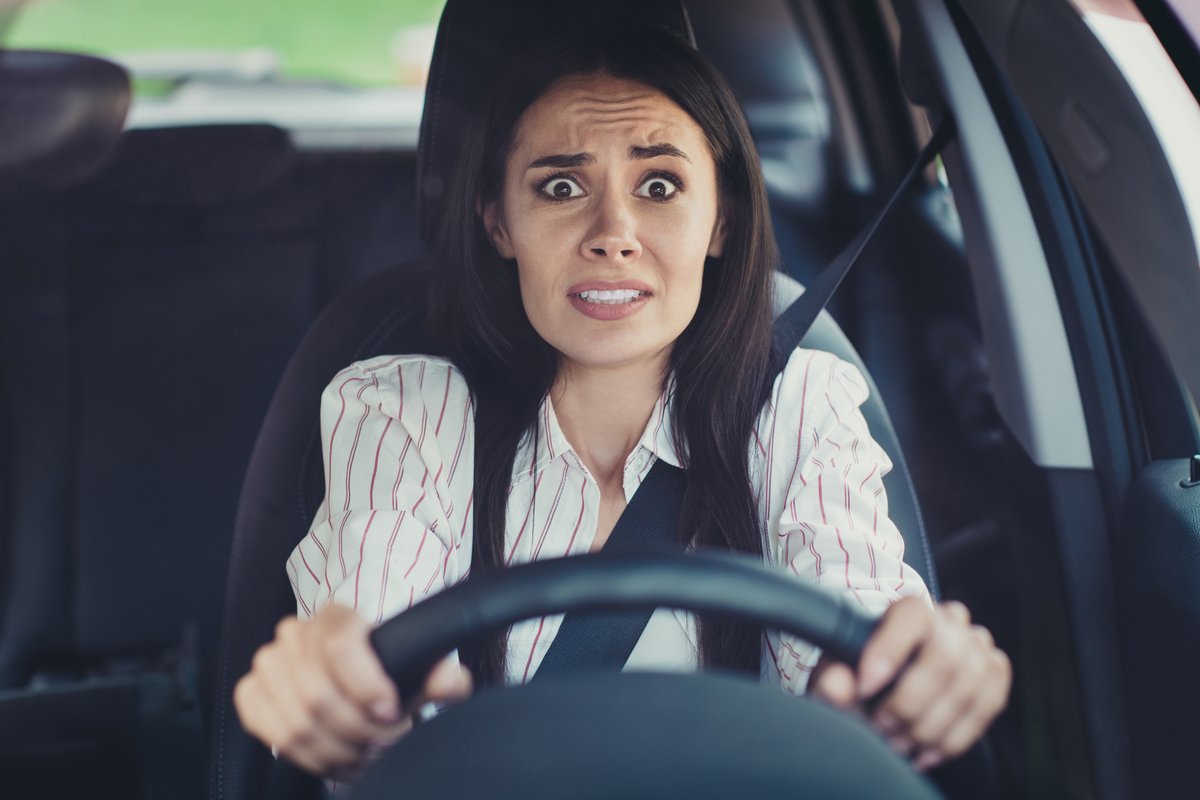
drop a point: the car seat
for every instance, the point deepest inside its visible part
(385, 314)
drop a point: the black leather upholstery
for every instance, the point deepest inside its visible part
(384, 314)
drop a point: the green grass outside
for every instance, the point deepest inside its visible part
(344, 40)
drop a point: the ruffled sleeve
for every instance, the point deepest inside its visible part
(397, 451)
(834, 528)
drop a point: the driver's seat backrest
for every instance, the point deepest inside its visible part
(385, 314)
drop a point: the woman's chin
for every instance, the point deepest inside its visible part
(613, 356)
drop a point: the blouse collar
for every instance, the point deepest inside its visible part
(551, 443)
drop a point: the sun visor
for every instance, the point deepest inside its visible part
(61, 114)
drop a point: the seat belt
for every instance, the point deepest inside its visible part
(603, 640)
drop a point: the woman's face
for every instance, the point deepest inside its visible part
(609, 208)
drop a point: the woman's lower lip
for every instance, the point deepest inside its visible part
(608, 311)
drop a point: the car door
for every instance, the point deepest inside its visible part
(1113, 206)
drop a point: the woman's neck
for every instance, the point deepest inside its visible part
(603, 412)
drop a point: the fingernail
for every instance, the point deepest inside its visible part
(875, 673)
(928, 760)
(385, 711)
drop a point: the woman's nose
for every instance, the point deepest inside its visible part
(613, 235)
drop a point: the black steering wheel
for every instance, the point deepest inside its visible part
(603, 735)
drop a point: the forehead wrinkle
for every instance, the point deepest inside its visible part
(639, 135)
(617, 109)
(570, 121)
(612, 98)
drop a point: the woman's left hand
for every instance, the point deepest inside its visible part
(948, 681)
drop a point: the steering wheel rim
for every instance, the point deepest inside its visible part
(737, 586)
(595, 734)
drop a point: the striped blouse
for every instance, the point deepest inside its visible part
(395, 526)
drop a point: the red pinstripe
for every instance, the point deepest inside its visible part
(417, 555)
(378, 450)
(846, 495)
(524, 522)
(399, 474)
(445, 399)
(532, 650)
(553, 510)
(462, 532)
(874, 528)
(340, 540)
(821, 498)
(391, 362)
(362, 549)
(812, 548)
(325, 573)
(332, 439)
(438, 566)
(354, 447)
(546, 427)
(387, 568)
(424, 427)
(849, 584)
(579, 519)
(796, 472)
(300, 550)
(462, 438)
(783, 643)
(312, 534)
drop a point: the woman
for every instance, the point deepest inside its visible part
(606, 269)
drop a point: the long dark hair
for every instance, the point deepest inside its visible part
(719, 362)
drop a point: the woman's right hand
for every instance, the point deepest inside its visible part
(318, 696)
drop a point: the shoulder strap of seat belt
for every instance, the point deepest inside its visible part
(604, 640)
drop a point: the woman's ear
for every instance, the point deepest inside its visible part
(716, 244)
(493, 223)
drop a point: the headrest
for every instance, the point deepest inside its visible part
(196, 166)
(476, 42)
(60, 114)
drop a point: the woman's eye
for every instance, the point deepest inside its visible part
(657, 188)
(562, 188)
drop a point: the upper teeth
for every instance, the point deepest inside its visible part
(606, 296)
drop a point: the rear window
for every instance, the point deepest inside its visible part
(362, 43)
(333, 73)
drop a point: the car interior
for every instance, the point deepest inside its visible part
(173, 300)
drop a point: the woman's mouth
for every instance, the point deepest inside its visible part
(609, 304)
(613, 297)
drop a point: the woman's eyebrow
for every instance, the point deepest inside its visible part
(571, 160)
(656, 150)
(563, 161)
